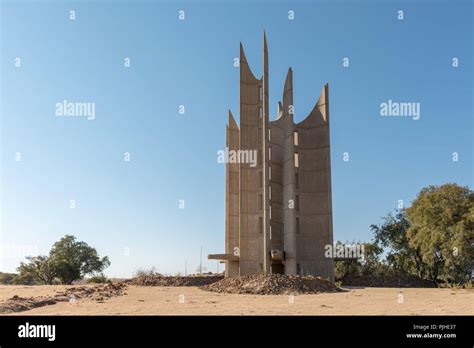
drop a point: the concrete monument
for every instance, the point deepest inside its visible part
(279, 211)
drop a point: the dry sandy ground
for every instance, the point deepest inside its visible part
(168, 301)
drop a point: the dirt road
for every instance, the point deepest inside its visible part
(142, 300)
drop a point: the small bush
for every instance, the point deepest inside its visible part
(98, 279)
(7, 278)
(147, 272)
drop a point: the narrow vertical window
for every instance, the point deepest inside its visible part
(269, 173)
(297, 202)
(297, 227)
(260, 179)
(269, 192)
(260, 225)
(296, 139)
(297, 181)
(297, 162)
(269, 134)
(260, 93)
(269, 153)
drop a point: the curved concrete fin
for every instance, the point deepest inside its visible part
(245, 71)
(323, 96)
(265, 62)
(280, 113)
(288, 81)
(279, 109)
(323, 101)
(288, 91)
(318, 114)
(265, 46)
(232, 123)
(265, 59)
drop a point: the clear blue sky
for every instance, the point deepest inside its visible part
(134, 204)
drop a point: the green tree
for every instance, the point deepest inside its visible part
(392, 237)
(68, 260)
(7, 278)
(72, 260)
(370, 262)
(442, 229)
(37, 267)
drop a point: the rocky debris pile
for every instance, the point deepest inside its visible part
(20, 304)
(160, 280)
(272, 284)
(387, 281)
(98, 293)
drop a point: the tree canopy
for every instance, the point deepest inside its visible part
(433, 239)
(442, 230)
(68, 260)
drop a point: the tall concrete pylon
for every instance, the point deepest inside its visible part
(278, 212)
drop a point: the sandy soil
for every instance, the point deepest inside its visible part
(167, 301)
(8, 291)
